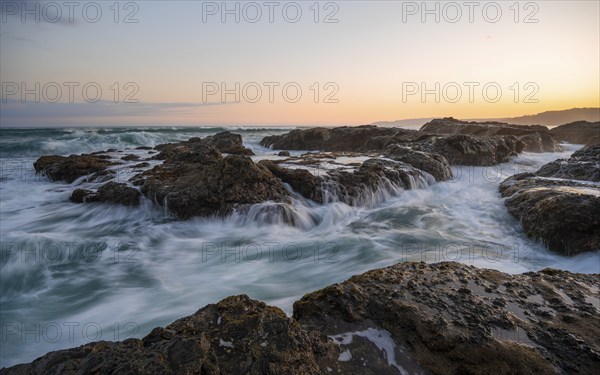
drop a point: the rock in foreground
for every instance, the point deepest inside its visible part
(445, 318)
(560, 203)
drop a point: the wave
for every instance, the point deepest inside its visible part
(64, 141)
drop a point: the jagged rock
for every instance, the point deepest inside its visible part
(457, 149)
(228, 143)
(68, 169)
(535, 138)
(579, 132)
(284, 153)
(197, 149)
(210, 185)
(451, 318)
(112, 192)
(582, 165)
(473, 150)
(130, 157)
(141, 165)
(374, 176)
(444, 318)
(434, 164)
(565, 214)
(358, 185)
(235, 336)
(301, 180)
(345, 138)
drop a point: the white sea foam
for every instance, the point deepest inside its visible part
(138, 265)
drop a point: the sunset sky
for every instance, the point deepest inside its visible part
(369, 62)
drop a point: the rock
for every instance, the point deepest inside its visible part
(228, 143)
(196, 149)
(457, 149)
(81, 195)
(359, 185)
(435, 324)
(301, 180)
(582, 165)
(564, 213)
(284, 153)
(356, 139)
(112, 192)
(472, 150)
(444, 318)
(210, 185)
(68, 169)
(130, 157)
(141, 165)
(579, 132)
(143, 148)
(235, 336)
(373, 180)
(535, 138)
(434, 164)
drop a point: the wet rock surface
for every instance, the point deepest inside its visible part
(434, 164)
(445, 318)
(359, 183)
(579, 132)
(583, 165)
(193, 149)
(111, 192)
(456, 149)
(473, 150)
(208, 184)
(535, 138)
(355, 139)
(70, 168)
(455, 319)
(560, 203)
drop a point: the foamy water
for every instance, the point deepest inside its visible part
(72, 274)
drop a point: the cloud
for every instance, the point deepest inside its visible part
(16, 113)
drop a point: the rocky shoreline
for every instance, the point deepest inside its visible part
(360, 166)
(444, 318)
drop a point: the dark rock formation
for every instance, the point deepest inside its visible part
(356, 139)
(582, 165)
(224, 142)
(434, 164)
(564, 213)
(535, 138)
(579, 132)
(374, 176)
(112, 192)
(473, 150)
(301, 180)
(284, 153)
(130, 157)
(456, 319)
(207, 184)
(68, 169)
(358, 185)
(235, 336)
(445, 318)
(457, 149)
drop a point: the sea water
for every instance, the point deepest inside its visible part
(71, 274)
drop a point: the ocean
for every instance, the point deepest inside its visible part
(72, 274)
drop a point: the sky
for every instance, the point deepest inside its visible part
(293, 63)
